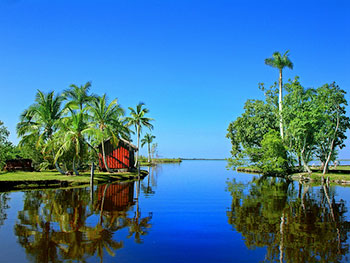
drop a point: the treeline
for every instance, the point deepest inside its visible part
(64, 130)
(282, 134)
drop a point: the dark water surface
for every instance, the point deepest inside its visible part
(193, 212)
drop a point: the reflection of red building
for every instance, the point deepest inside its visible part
(120, 157)
(118, 196)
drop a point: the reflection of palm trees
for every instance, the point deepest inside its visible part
(137, 225)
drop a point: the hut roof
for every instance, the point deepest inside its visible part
(124, 141)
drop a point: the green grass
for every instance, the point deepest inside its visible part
(26, 180)
(144, 161)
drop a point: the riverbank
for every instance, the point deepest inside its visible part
(52, 179)
(144, 162)
(339, 175)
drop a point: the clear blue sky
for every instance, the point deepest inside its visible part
(194, 63)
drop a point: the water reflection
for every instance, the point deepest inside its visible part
(65, 224)
(4, 198)
(295, 223)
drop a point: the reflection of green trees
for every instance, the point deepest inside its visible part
(4, 198)
(307, 225)
(53, 226)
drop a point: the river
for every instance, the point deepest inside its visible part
(196, 211)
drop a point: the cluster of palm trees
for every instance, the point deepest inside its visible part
(68, 127)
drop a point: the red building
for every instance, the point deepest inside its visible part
(120, 157)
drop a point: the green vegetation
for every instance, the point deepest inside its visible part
(144, 161)
(311, 124)
(294, 223)
(138, 120)
(63, 131)
(25, 180)
(7, 150)
(148, 139)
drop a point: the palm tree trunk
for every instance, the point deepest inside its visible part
(104, 157)
(75, 167)
(149, 153)
(58, 168)
(138, 143)
(280, 104)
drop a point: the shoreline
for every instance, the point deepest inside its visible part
(341, 177)
(41, 180)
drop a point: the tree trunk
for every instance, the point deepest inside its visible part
(92, 173)
(281, 246)
(104, 157)
(325, 168)
(74, 167)
(138, 144)
(280, 104)
(58, 168)
(306, 167)
(149, 153)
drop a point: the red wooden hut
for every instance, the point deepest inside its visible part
(119, 158)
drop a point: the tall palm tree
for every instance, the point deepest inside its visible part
(280, 62)
(148, 139)
(40, 121)
(78, 96)
(72, 138)
(107, 122)
(138, 119)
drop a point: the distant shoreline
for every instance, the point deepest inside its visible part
(202, 159)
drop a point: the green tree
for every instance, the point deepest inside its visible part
(148, 139)
(302, 121)
(72, 138)
(331, 134)
(40, 121)
(138, 120)
(280, 62)
(274, 156)
(106, 122)
(78, 96)
(248, 130)
(7, 150)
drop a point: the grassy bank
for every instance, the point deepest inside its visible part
(144, 161)
(339, 175)
(51, 179)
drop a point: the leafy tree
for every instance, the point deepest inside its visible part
(138, 120)
(274, 157)
(148, 139)
(280, 62)
(302, 121)
(331, 133)
(248, 130)
(7, 150)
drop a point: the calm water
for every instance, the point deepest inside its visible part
(193, 212)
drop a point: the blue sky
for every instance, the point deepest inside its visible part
(194, 63)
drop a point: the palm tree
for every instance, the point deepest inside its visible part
(107, 122)
(138, 119)
(148, 139)
(78, 96)
(40, 121)
(280, 62)
(72, 138)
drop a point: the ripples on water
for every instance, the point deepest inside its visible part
(193, 212)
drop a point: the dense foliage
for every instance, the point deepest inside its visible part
(7, 149)
(64, 130)
(312, 124)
